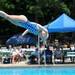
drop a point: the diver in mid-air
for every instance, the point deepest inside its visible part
(22, 21)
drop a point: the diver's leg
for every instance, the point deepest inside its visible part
(12, 17)
(3, 14)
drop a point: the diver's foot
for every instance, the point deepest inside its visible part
(3, 14)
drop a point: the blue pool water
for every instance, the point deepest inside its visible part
(38, 71)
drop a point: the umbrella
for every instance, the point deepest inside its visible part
(19, 40)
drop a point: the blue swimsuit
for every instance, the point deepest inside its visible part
(31, 26)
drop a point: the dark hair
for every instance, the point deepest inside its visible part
(36, 49)
(47, 47)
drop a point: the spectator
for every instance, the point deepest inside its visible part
(65, 47)
(10, 48)
(47, 55)
(15, 55)
(72, 47)
(58, 55)
(33, 58)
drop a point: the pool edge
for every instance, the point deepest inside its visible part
(25, 65)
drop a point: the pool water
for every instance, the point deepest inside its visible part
(38, 71)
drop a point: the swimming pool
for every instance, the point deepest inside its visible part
(38, 71)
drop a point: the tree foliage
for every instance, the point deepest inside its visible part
(37, 9)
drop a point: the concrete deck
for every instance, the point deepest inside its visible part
(25, 65)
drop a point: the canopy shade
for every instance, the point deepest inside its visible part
(19, 40)
(62, 24)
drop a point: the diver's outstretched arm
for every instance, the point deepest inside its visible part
(16, 19)
(25, 32)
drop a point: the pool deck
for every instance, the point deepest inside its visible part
(25, 65)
